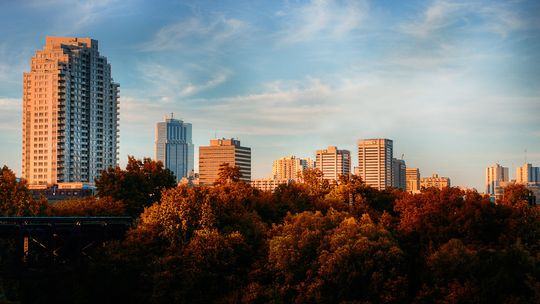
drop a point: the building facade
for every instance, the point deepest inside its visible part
(70, 113)
(375, 162)
(333, 162)
(174, 147)
(527, 174)
(413, 180)
(495, 175)
(268, 184)
(434, 181)
(222, 151)
(399, 179)
(290, 167)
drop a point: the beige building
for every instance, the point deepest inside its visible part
(434, 181)
(333, 162)
(527, 174)
(267, 184)
(223, 151)
(290, 167)
(375, 162)
(413, 180)
(495, 175)
(70, 113)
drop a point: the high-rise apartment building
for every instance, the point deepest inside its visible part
(434, 181)
(333, 162)
(495, 175)
(527, 174)
(399, 179)
(413, 180)
(223, 151)
(174, 147)
(290, 167)
(70, 113)
(375, 162)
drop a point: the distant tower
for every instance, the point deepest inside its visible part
(70, 113)
(399, 179)
(223, 151)
(290, 167)
(174, 147)
(375, 162)
(333, 162)
(527, 174)
(413, 180)
(495, 175)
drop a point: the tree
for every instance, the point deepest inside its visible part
(138, 186)
(88, 206)
(228, 174)
(15, 198)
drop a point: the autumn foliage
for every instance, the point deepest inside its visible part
(311, 242)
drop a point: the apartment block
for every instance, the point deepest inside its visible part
(434, 181)
(222, 151)
(399, 179)
(70, 113)
(333, 162)
(413, 180)
(290, 167)
(495, 175)
(375, 162)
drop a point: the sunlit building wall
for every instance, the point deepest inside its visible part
(223, 151)
(495, 175)
(527, 174)
(375, 162)
(70, 113)
(333, 162)
(413, 180)
(290, 167)
(434, 181)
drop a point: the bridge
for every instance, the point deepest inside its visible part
(43, 241)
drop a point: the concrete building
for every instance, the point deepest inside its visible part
(434, 181)
(70, 113)
(268, 184)
(413, 180)
(495, 175)
(290, 167)
(333, 162)
(527, 174)
(223, 151)
(174, 147)
(399, 179)
(375, 162)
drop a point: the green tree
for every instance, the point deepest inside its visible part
(16, 199)
(138, 186)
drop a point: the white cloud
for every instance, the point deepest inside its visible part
(183, 34)
(321, 18)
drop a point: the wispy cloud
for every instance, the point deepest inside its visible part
(194, 31)
(321, 18)
(10, 116)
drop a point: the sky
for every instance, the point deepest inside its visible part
(454, 84)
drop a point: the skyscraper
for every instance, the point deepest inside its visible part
(413, 180)
(399, 179)
(223, 151)
(527, 174)
(290, 167)
(494, 176)
(375, 162)
(333, 162)
(70, 113)
(174, 147)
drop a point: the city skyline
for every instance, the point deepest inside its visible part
(453, 84)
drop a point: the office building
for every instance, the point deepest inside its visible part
(527, 174)
(399, 179)
(70, 113)
(290, 167)
(222, 151)
(269, 184)
(413, 180)
(174, 147)
(333, 162)
(434, 181)
(375, 162)
(495, 175)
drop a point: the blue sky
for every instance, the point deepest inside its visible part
(455, 84)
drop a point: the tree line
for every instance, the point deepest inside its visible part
(306, 242)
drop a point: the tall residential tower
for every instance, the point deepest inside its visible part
(375, 162)
(333, 162)
(70, 113)
(174, 147)
(495, 175)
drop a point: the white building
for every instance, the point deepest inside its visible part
(495, 175)
(333, 162)
(290, 167)
(375, 162)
